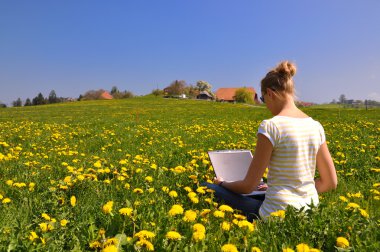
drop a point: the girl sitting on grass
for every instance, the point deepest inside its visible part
(292, 145)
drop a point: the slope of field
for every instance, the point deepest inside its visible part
(125, 175)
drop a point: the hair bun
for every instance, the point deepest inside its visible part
(286, 69)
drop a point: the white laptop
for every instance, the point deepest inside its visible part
(232, 165)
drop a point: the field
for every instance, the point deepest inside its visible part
(125, 175)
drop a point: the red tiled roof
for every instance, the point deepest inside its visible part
(227, 94)
(106, 96)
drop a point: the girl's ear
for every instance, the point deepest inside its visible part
(270, 93)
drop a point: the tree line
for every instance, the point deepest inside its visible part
(354, 103)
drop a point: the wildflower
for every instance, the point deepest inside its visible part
(46, 216)
(198, 236)
(127, 186)
(201, 190)
(246, 224)
(95, 244)
(138, 190)
(255, 249)
(287, 250)
(190, 215)
(107, 208)
(342, 198)
(33, 236)
(351, 206)
(6, 200)
(364, 213)
(302, 247)
(111, 248)
(173, 235)
(198, 227)
(219, 214)
(187, 189)
(225, 208)
(226, 226)
(195, 200)
(173, 194)
(150, 190)
(126, 211)
(205, 212)
(145, 244)
(165, 189)
(342, 242)
(175, 210)
(73, 201)
(144, 234)
(45, 227)
(64, 222)
(148, 179)
(279, 213)
(229, 248)
(314, 250)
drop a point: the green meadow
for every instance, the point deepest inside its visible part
(124, 175)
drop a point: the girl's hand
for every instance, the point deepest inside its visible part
(218, 180)
(262, 187)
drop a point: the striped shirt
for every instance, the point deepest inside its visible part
(292, 165)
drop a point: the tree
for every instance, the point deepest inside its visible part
(17, 103)
(3, 105)
(191, 91)
(157, 92)
(243, 95)
(52, 97)
(114, 90)
(177, 87)
(203, 86)
(39, 100)
(28, 102)
(342, 99)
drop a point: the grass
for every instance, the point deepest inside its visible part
(148, 154)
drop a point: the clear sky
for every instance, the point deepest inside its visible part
(73, 46)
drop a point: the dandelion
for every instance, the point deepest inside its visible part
(144, 234)
(229, 248)
(219, 214)
(6, 200)
(287, 250)
(46, 216)
(342, 198)
(226, 208)
(342, 242)
(107, 208)
(45, 227)
(302, 247)
(226, 226)
(190, 215)
(364, 213)
(148, 179)
(255, 249)
(126, 211)
(246, 224)
(279, 213)
(95, 244)
(175, 210)
(64, 222)
(351, 206)
(111, 248)
(73, 201)
(205, 212)
(173, 194)
(173, 235)
(33, 235)
(145, 244)
(199, 236)
(138, 190)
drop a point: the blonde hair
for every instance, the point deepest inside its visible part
(280, 79)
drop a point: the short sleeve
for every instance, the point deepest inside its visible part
(268, 129)
(322, 133)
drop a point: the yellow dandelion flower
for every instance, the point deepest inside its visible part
(246, 224)
(126, 211)
(351, 206)
(150, 190)
(107, 208)
(149, 179)
(302, 247)
(314, 250)
(187, 189)
(95, 244)
(219, 214)
(190, 215)
(279, 213)
(173, 235)
(33, 235)
(199, 236)
(226, 226)
(73, 201)
(201, 189)
(165, 189)
(45, 227)
(287, 250)
(198, 227)
(138, 190)
(46, 216)
(6, 200)
(342, 198)
(364, 213)
(111, 248)
(173, 194)
(226, 208)
(144, 234)
(229, 248)
(64, 222)
(342, 242)
(142, 243)
(175, 210)
(240, 217)
(255, 249)
(205, 212)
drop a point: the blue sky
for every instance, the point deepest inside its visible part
(73, 46)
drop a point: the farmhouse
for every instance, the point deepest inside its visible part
(204, 95)
(228, 94)
(106, 96)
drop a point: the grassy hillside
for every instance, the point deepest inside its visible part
(103, 175)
